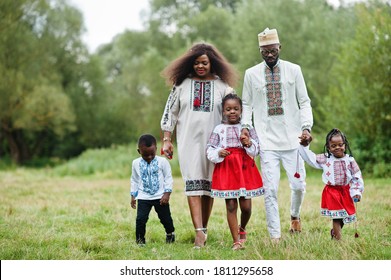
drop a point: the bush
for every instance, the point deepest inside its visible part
(372, 156)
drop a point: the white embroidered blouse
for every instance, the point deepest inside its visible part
(336, 171)
(228, 136)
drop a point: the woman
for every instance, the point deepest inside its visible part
(201, 78)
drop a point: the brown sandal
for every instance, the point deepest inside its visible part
(237, 246)
(295, 226)
(242, 232)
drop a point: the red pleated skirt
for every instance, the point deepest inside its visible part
(337, 203)
(236, 176)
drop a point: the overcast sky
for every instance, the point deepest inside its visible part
(106, 18)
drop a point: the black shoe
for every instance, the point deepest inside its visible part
(140, 242)
(170, 237)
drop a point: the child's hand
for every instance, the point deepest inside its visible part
(356, 198)
(133, 202)
(165, 198)
(223, 153)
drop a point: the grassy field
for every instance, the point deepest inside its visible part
(45, 216)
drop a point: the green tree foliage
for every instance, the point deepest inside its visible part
(26, 64)
(359, 100)
(124, 66)
(187, 22)
(56, 99)
(42, 62)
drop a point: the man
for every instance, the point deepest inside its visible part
(275, 95)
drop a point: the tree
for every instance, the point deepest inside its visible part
(360, 96)
(38, 43)
(124, 66)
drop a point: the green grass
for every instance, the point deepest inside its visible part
(46, 215)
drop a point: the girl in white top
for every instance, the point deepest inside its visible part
(235, 176)
(342, 178)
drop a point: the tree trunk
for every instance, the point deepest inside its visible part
(2, 141)
(13, 146)
(19, 150)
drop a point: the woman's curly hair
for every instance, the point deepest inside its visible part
(183, 67)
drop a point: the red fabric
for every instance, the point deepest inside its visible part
(237, 171)
(337, 198)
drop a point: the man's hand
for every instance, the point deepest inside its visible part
(305, 138)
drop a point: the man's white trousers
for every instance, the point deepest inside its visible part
(270, 168)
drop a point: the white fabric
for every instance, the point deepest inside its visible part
(281, 132)
(222, 131)
(353, 177)
(270, 167)
(193, 129)
(164, 179)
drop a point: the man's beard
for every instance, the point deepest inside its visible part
(272, 64)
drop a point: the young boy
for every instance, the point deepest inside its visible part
(151, 184)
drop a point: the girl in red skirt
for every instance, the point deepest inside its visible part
(236, 176)
(342, 176)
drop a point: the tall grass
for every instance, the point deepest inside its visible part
(114, 162)
(47, 214)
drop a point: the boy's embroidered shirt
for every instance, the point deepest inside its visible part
(336, 171)
(228, 136)
(150, 181)
(149, 174)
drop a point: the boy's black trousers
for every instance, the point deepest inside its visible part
(143, 209)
